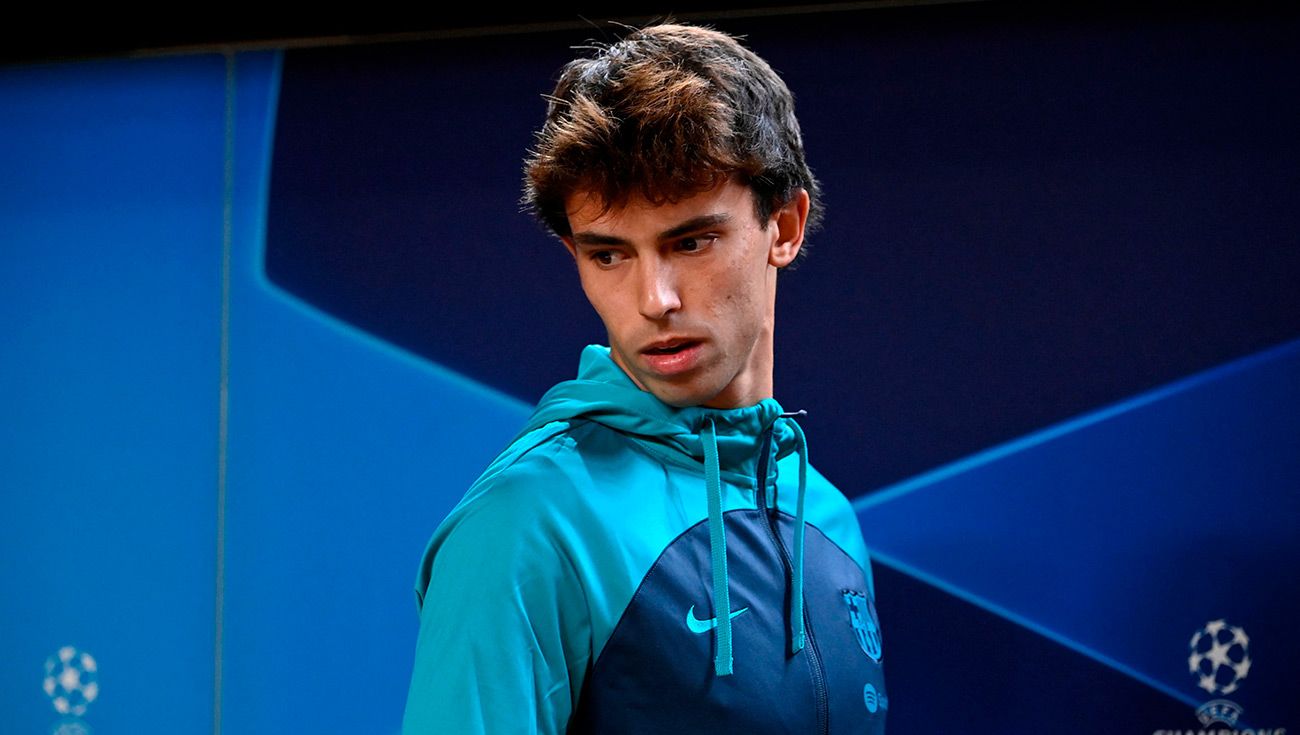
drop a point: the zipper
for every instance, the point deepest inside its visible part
(810, 642)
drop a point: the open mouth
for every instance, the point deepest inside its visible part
(670, 349)
(673, 357)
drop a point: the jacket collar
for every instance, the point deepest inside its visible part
(603, 393)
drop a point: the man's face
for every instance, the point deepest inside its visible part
(687, 290)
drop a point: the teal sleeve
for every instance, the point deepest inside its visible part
(502, 646)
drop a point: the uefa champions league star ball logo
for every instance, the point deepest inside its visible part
(1219, 657)
(70, 681)
(1219, 660)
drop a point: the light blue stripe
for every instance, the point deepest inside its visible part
(988, 456)
(722, 661)
(1031, 625)
(256, 273)
(797, 632)
(223, 392)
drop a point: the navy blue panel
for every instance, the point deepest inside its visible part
(656, 676)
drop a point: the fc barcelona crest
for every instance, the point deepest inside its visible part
(866, 626)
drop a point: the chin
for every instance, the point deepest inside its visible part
(675, 398)
(679, 396)
(682, 396)
(683, 401)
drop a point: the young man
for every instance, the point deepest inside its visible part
(653, 554)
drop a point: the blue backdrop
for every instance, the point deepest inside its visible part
(267, 315)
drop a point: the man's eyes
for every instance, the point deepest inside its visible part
(696, 244)
(610, 258)
(606, 257)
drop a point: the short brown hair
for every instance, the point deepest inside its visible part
(667, 112)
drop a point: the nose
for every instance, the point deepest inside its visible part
(657, 297)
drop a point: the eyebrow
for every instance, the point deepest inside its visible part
(694, 224)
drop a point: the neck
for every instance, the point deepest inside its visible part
(754, 382)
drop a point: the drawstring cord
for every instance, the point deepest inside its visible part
(796, 606)
(722, 663)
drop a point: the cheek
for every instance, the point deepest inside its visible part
(593, 296)
(738, 305)
(602, 313)
(598, 295)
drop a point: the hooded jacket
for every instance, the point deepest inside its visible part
(625, 566)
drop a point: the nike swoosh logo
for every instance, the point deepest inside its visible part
(704, 626)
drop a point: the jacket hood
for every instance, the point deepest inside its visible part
(724, 443)
(603, 393)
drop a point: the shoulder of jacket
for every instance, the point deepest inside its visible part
(556, 437)
(510, 520)
(538, 477)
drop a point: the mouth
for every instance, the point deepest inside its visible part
(670, 347)
(672, 357)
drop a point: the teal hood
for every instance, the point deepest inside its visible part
(603, 393)
(721, 443)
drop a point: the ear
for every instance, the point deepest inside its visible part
(790, 221)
